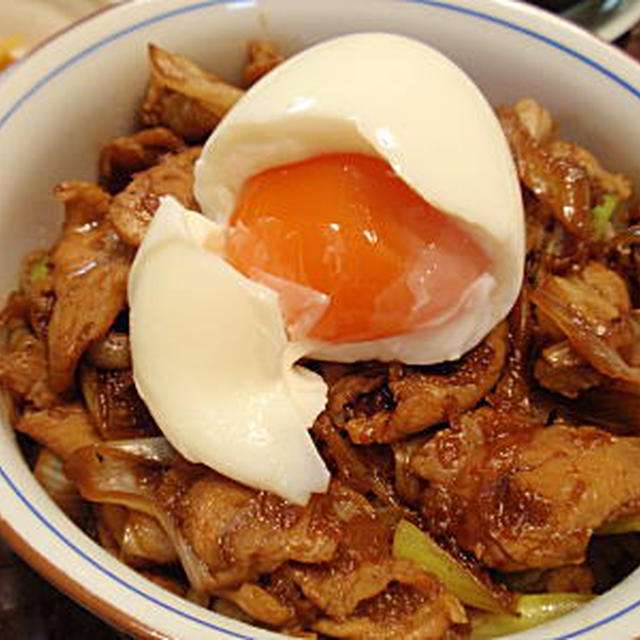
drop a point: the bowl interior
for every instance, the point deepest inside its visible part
(77, 91)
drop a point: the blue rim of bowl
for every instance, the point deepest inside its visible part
(206, 4)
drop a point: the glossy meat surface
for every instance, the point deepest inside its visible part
(415, 398)
(184, 97)
(132, 209)
(523, 495)
(90, 270)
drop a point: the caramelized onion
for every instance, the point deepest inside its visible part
(112, 352)
(144, 541)
(50, 474)
(559, 182)
(558, 299)
(127, 473)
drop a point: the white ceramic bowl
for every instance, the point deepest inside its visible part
(82, 87)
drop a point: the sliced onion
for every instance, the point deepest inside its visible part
(157, 450)
(110, 521)
(112, 352)
(50, 474)
(532, 610)
(259, 604)
(411, 543)
(143, 539)
(555, 302)
(127, 473)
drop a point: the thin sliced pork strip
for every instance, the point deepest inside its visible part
(521, 495)
(121, 157)
(23, 358)
(63, 429)
(133, 208)
(241, 533)
(90, 270)
(420, 398)
(418, 611)
(184, 97)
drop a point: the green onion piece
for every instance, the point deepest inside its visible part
(624, 525)
(39, 269)
(533, 610)
(601, 213)
(410, 543)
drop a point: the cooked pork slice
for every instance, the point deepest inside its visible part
(362, 567)
(123, 156)
(90, 269)
(23, 360)
(592, 308)
(417, 398)
(538, 123)
(338, 588)
(262, 57)
(420, 611)
(407, 484)
(607, 181)
(62, 429)
(241, 533)
(569, 380)
(134, 537)
(109, 522)
(260, 604)
(36, 284)
(559, 182)
(114, 404)
(521, 495)
(184, 97)
(535, 118)
(132, 209)
(144, 541)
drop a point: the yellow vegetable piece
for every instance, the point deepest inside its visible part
(533, 610)
(411, 543)
(625, 525)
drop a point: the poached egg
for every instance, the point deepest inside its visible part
(360, 202)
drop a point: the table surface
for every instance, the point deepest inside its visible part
(32, 609)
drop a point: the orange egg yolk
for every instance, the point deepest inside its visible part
(346, 226)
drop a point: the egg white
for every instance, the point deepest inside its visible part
(212, 362)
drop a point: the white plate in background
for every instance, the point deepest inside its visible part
(35, 20)
(38, 19)
(611, 24)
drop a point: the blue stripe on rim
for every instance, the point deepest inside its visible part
(205, 4)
